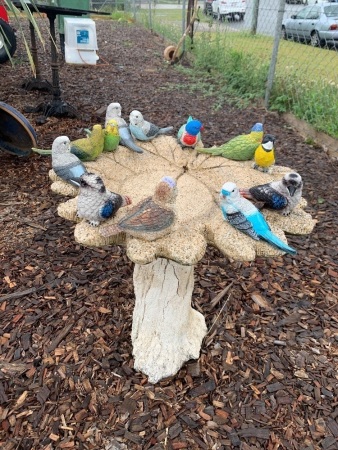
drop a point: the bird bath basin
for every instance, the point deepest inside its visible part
(166, 330)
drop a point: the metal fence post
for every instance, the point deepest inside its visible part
(255, 10)
(150, 18)
(272, 68)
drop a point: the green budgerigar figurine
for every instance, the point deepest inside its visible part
(89, 148)
(111, 136)
(86, 149)
(240, 148)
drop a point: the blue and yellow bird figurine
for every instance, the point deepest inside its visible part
(265, 154)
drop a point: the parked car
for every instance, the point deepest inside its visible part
(317, 24)
(7, 35)
(207, 7)
(296, 2)
(230, 9)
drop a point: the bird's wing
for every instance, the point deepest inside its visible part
(180, 131)
(241, 223)
(147, 216)
(80, 152)
(107, 209)
(240, 148)
(153, 130)
(272, 198)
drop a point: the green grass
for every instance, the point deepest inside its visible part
(233, 66)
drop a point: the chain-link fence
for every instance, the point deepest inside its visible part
(280, 51)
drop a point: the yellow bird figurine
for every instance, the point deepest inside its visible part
(265, 154)
(90, 147)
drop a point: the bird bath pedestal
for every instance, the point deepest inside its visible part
(166, 330)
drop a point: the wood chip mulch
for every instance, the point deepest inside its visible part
(267, 376)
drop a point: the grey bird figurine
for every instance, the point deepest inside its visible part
(114, 111)
(66, 165)
(142, 129)
(95, 203)
(282, 196)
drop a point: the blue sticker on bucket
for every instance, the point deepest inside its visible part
(82, 36)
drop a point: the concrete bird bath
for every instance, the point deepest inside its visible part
(166, 330)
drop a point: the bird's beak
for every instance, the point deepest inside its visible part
(292, 190)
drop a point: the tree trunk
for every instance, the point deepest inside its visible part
(166, 330)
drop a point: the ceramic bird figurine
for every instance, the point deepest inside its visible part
(151, 218)
(143, 130)
(245, 217)
(265, 154)
(66, 165)
(282, 196)
(189, 134)
(239, 148)
(95, 203)
(111, 136)
(89, 148)
(114, 111)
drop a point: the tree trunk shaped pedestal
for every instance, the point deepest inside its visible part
(166, 330)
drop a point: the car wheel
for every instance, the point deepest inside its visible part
(315, 39)
(7, 39)
(284, 34)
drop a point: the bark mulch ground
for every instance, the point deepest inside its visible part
(267, 375)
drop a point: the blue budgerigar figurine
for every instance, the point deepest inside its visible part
(142, 129)
(282, 196)
(245, 217)
(95, 203)
(189, 134)
(66, 165)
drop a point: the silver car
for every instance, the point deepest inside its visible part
(317, 24)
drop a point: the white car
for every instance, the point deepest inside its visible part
(230, 9)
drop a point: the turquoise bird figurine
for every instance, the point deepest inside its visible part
(189, 135)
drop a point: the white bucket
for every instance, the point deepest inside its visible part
(80, 41)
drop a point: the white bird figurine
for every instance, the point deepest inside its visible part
(142, 129)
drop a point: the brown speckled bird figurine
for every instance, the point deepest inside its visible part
(151, 218)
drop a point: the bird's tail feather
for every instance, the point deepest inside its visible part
(126, 200)
(216, 151)
(246, 194)
(278, 243)
(42, 151)
(165, 130)
(109, 230)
